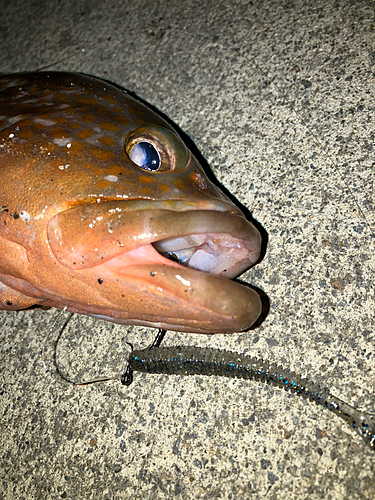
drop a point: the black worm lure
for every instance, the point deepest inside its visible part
(197, 361)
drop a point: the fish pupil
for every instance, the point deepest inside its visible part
(145, 155)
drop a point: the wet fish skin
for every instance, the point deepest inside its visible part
(72, 189)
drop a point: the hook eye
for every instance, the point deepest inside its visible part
(127, 377)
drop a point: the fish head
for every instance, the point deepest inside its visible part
(108, 213)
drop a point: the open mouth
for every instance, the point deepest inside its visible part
(176, 260)
(212, 241)
(217, 253)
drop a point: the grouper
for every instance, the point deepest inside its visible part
(104, 211)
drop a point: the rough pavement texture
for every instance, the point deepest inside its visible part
(279, 98)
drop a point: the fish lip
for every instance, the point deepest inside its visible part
(215, 304)
(140, 203)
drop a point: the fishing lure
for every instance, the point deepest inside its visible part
(204, 361)
(180, 360)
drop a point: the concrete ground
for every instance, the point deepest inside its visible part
(279, 98)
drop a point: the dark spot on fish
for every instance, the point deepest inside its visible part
(153, 273)
(16, 215)
(100, 281)
(9, 303)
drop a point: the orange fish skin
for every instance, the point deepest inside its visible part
(71, 194)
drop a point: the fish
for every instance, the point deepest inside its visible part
(104, 211)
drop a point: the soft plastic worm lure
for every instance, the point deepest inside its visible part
(202, 361)
(177, 360)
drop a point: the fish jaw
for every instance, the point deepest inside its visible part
(170, 296)
(122, 251)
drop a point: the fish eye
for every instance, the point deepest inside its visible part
(156, 149)
(145, 155)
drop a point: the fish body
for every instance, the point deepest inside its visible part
(105, 211)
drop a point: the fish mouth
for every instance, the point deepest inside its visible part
(189, 252)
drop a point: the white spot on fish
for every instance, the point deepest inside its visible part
(111, 178)
(98, 219)
(21, 93)
(14, 82)
(183, 281)
(11, 136)
(64, 167)
(45, 122)
(25, 216)
(62, 141)
(14, 119)
(69, 145)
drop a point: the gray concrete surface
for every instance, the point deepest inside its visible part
(279, 98)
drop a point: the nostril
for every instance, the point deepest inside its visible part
(199, 180)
